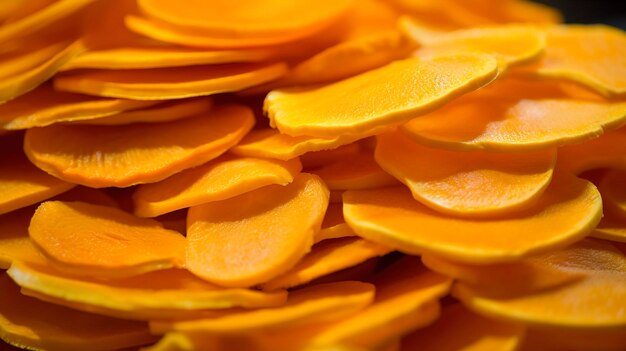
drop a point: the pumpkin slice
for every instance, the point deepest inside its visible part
(353, 105)
(598, 297)
(44, 106)
(102, 156)
(613, 190)
(169, 83)
(360, 171)
(314, 304)
(471, 332)
(594, 56)
(568, 210)
(40, 19)
(251, 238)
(220, 179)
(15, 245)
(510, 44)
(327, 257)
(515, 125)
(165, 294)
(86, 238)
(32, 324)
(21, 183)
(469, 184)
(607, 151)
(250, 19)
(334, 226)
(271, 143)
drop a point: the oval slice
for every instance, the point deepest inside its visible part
(354, 105)
(568, 210)
(254, 237)
(515, 125)
(220, 179)
(468, 184)
(169, 83)
(102, 156)
(313, 304)
(165, 294)
(93, 239)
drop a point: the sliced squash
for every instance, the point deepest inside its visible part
(15, 245)
(568, 210)
(251, 238)
(94, 239)
(468, 184)
(360, 171)
(103, 156)
(515, 124)
(606, 151)
(169, 83)
(220, 179)
(354, 105)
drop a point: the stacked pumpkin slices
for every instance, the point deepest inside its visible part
(311, 175)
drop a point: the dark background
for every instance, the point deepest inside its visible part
(611, 12)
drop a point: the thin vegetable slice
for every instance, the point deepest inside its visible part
(474, 183)
(354, 105)
(27, 322)
(515, 125)
(239, 242)
(314, 304)
(44, 106)
(101, 156)
(15, 245)
(606, 151)
(334, 226)
(360, 171)
(325, 258)
(165, 294)
(88, 238)
(594, 302)
(568, 210)
(271, 143)
(592, 55)
(169, 83)
(460, 329)
(220, 179)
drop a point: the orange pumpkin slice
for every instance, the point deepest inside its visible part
(327, 257)
(169, 83)
(86, 238)
(471, 332)
(390, 217)
(240, 242)
(15, 245)
(165, 294)
(515, 125)
(598, 297)
(613, 190)
(271, 143)
(27, 322)
(334, 226)
(474, 183)
(594, 56)
(250, 19)
(607, 151)
(360, 171)
(354, 105)
(220, 179)
(44, 106)
(102, 156)
(511, 44)
(314, 304)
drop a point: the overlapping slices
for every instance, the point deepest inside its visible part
(567, 211)
(103, 156)
(333, 225)
(249, 239)
(15, 245)
(606, 151)
(613, 225)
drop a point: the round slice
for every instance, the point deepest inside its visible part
(515, 125)
(568, 210)
(354, 106)
(121, 156)
(251, 238)
(93, 239)
(468, 184)
(169, 83)
(220, 179)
